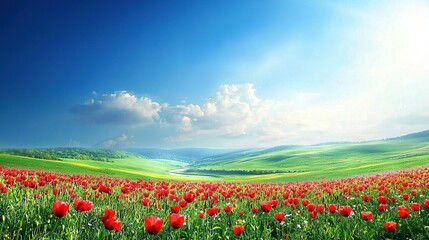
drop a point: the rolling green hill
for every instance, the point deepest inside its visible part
(189, 155)
(131, 167)
(324, 160)
(282, 163)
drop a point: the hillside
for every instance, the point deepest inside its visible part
(277, 164)
(418, 135)
(190, 155)
(133, 167)
(323, 160)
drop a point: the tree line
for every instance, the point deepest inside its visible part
(59, 153)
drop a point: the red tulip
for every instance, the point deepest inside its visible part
(82, 205)
(403, 211)
(105, 189)
(255, 209)
(266, 206)
(238, 230)
(146, 202)
(366, 198)
(153, 224)
(366, 216)
(189, 197)
(112, 224)
(201, 214)
(279, 216)
(405, 196)
(56, 191)
(382, 207)
(415, 206)
(313, 214)
(108, 213)
(332, 208)
(183, 203)
(175, 209)
(60, 208)
(305, 202)
(293, 201)
(274, 203)
(241, 213)
(345, 210)
(212, 211)
(176, 220)
(227, 208)
(390, 226)
(426, 203)
(286, 195)
(320, 208)
(126, 189)
(311, 207)
(382, 199)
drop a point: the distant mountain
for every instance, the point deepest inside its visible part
(180, 154)
(282, 154)
(423, 134)
(211, 156)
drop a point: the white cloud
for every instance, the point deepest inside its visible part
(181, 115)
(120, 108)
(385, 78)
(117, 142)
(229, 113)
(377, 87)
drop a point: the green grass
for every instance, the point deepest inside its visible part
(131, 167)
(327, 161)
(298, 163)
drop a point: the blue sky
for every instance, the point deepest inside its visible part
(214, 74)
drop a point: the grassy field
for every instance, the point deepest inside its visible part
(131, 167)
(296, 163)
(326, 161)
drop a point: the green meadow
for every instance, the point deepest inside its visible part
(294, 163)
(325, 161)
(130, 167)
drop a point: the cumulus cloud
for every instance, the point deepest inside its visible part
(231, 112)
(377, 86)
(228, 113)
(117, 142)
(120, 108)
(182, 116)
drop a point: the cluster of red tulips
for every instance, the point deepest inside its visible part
(385, 205)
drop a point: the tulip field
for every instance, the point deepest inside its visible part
(46, 205)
